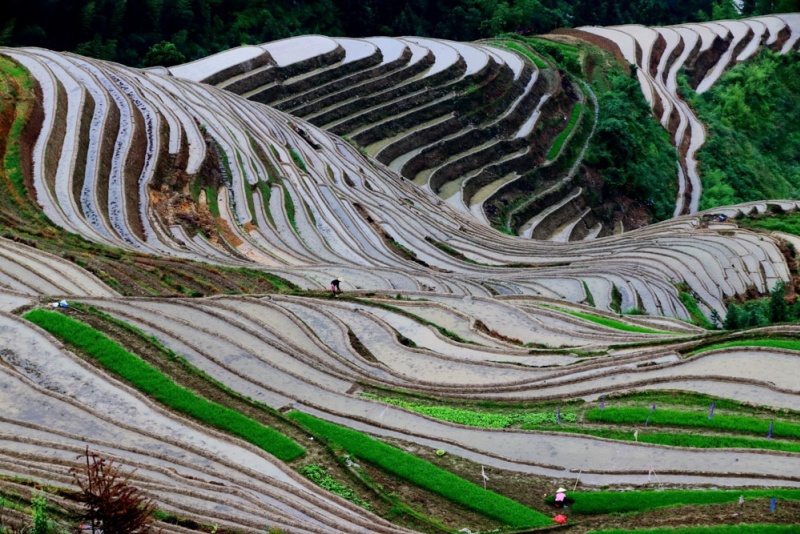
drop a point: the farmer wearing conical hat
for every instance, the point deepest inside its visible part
(561, 497)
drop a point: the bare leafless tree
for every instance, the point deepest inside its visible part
(112, 505)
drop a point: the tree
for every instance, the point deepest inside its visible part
(778, 309)
(110, 502)
(165, 54)
(733, 319)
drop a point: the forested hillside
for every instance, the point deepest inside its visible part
(149, 32)
(753, 118)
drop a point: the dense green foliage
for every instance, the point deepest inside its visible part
(147, 32)
(723, 422)
(156, 385)
(631, 150)
(319, 476)
(762, 312)
(611, 502)
(483, 419)
(752, 115)
(788, 223)
(424, 474)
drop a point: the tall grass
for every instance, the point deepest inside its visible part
(424, 474)
(621, 502)
(153, 383)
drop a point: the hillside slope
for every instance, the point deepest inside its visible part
(127, 178)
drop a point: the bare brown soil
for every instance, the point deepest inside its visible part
(134, 164)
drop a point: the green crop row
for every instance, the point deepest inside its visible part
(559, 142)
(479, 419)
(716, 529)
(621, 502)
(724, 422)
(789, 344)
(697, 441)
(156, 385)
(610, 323)
(425, 474)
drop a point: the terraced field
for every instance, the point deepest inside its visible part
(439, 312)
(466, 121)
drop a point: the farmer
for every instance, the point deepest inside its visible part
(561, 497)
(335, 286)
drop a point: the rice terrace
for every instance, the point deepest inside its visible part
(319, 267)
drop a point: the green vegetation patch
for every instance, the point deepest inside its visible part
(610, 323)
(559, 142)
(790, 344)
(716, 529)
(298, 160)
(630, 150)
(680, 439)
(691, 305)
(483, 419)
(618, 502)
(156, 385)
(788, 223)
(724, 422)
(319, 476)
(289, 206)
(425, 475)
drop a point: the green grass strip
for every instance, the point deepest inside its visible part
(621, 502)
(696, 441)
(610, 323)
(289, 207)
(153, 383)
(716, 529)
(691, 305)
(559, 142)
(789, 344)
(425, 475)
(721, 421)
